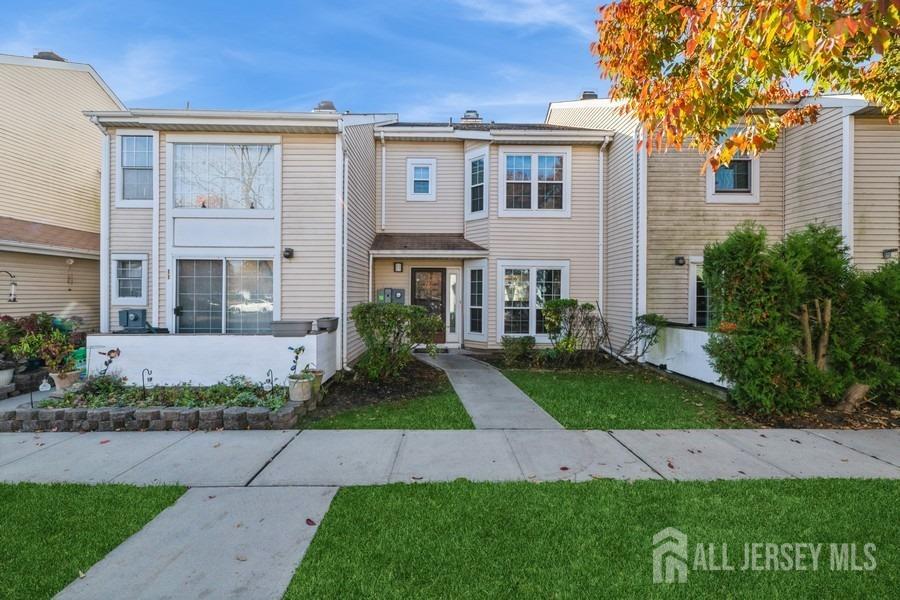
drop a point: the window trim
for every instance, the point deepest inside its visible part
(411, 164)
(535, 151)
(120, 201)
(471, 156)
(117, 300)
(693, 263)
(476, 265)
(532, 266)
(751, 197)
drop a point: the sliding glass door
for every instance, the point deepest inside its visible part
(224, 296)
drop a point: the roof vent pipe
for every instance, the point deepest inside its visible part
(588, 95)
(325, 106)
(470, 116)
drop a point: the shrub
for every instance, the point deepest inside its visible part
(794, 323)
(575, 329)
(54, 348)
(390, 333)
(518, 351)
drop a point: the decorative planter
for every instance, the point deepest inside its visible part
(327, 324)
(291, 328)
(6, 375)
(300, 390)
(63, 381)
(317, 384)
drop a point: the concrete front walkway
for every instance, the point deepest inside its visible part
(492, 400)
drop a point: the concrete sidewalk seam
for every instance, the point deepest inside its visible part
(612, 434)
(824, 437)
(273, 457)
(42, 448)
(136, 465)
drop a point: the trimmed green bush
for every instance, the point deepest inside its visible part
(390, 333)
(518, 351)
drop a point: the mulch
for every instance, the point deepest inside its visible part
(354, 391)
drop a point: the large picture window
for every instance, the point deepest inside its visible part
(224, 296)
(534, 181)
(524, 289)
(229, 176)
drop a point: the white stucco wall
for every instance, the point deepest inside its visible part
(681, 350)
(208, 359)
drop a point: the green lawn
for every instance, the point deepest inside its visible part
(440, 410)
(48, 533)
(562, 540)
(619, 398)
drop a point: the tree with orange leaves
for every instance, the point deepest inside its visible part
(691, 69)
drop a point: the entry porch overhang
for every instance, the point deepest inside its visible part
(425, 245)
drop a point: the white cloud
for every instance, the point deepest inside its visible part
(532, 13)
(146, 70)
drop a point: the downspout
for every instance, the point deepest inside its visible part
(104, 229)
(601, 237)
(383, 186)
(345, 312)
(635, 165)
(340, 226)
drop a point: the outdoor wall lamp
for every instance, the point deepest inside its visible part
(288, 253)
(680, 261)
(12, 286)
(887, 253)
(398, 267)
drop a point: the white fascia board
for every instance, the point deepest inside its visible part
(28, 248)
(428, 253)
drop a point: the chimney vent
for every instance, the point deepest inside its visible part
(49, 55)
(325, 106)
(588, 95)
(470, 116)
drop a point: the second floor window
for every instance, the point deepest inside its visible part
(735, 178)
(534, 182)
(476, 187)
(137, 167)
(420, 180)
(231, 176)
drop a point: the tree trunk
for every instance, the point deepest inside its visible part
(823, 337)
(853, 397)
(807, 334)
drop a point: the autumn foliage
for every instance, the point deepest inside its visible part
(689, 70)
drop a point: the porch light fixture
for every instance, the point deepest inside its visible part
(398, 267)
(679, 260)
(886, 254)
(12, 286)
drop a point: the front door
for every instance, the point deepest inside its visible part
(428, 291)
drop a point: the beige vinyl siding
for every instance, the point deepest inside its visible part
(619, 303)
(876, 190)
(132, 233)
(575, 239)
(812, 172)
(383, 275)
(47, 284)
(445, 213)
(359, 147)
(49, 151)
(308, 187)
(680, 222)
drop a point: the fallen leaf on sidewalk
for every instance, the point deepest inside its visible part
(564, 468)
(670, 464)
(310, 522)
(217, 444)
(241, 557)
(81, 574)
(104, 441)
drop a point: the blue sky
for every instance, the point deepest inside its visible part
(426, 59)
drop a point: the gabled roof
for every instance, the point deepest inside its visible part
(424, 245)
(24, 61)
(492, 132)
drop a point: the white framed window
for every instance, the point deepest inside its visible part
(698, 299)
(421, 179)
(476, 300)
(136, 174)
(737, 183)
(129, 279)
(535, 181)
(232, 176)
(476, 184)
(523, 287)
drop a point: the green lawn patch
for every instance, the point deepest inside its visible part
(439, 410)
(50, 533)
(621, 398)
(562, 540)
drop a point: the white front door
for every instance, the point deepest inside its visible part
(454, 305)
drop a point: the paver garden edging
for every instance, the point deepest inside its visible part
(150, 419)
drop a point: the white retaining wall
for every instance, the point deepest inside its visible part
(681, 350)
(208, 359)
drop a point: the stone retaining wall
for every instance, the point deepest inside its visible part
(150, 419)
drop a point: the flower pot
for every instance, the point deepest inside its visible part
(327, 324)
(300, 390)
(63, 381)
(317, 384)
(291, 328)
(6, 375)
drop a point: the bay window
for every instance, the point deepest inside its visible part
(534, 181)
(476, 184)
(227, 176)
(475, 297)
(524, 288)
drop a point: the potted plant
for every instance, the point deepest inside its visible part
(55, 349)
(300, 383)
(9, 336)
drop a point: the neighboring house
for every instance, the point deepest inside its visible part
(223, 222)
(50, 186)
(661, 210)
